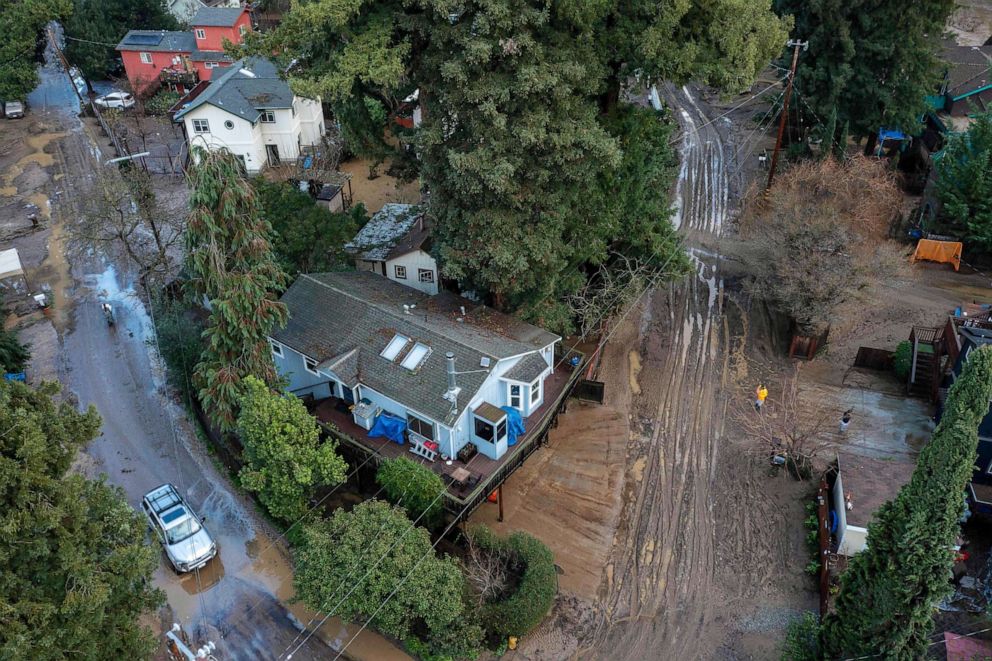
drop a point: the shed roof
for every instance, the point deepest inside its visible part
(871, 483)
(10, 264)
(487, 411)
(217, 17)
(332, 314)
(168, 41)
(967, 68)
(394, 230)
(527, 369)
(245, 89)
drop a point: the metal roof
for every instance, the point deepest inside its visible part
(245, 89)
(168, 41)
(216, 17)
(333, 314)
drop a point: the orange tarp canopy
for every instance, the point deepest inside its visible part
(947, 252)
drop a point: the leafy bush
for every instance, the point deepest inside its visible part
(412, 486)
(162, 101)
(179, 328)
(523, 609)
(13, 355)
(902, 361)
(802, 639)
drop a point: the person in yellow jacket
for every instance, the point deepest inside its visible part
(761, 394)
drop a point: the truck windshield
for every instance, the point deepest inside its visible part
(182, 531)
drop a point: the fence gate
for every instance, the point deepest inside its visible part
(590, 391)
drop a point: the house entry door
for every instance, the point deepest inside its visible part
(272, 152)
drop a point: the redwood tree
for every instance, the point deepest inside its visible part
(231, 263)
(890, 590)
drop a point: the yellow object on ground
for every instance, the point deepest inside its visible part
(512, 643)
(947, 252)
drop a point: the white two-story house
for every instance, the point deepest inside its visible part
(250, 111)
(452, 371)
(396, 243)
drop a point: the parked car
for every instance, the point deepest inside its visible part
(13, 110)
(187, 543)
(115, 100)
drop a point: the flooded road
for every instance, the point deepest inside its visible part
(239, 600)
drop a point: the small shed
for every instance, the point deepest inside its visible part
(862, 486)
(331, 197)
(12, 272)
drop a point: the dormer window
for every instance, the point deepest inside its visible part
(394, 347)
(417, 355)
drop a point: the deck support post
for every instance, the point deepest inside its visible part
(499, 499)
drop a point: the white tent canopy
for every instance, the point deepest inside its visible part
(10, 264)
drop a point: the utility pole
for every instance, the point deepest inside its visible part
(796, 45)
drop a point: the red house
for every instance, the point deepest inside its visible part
(182, 59)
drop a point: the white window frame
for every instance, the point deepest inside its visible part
(276, 348)
(425, 275)
(399, 272)
(267, 117)
(397, 345)
(211, 65)
(535, 392)
(307, 362)
(198, 123)
(200, 33)
(410, 417)
(519, 396)
(242, 29)
(146, 58)
(413, 367)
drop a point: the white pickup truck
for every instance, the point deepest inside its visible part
(186, 542)
(13, 110)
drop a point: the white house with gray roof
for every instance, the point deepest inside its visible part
(443, 364)
(250, 111)
(396, 243)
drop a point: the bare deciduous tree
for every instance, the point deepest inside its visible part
(486, 570)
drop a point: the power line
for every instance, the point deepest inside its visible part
(89, 41)
(695, 129)
(933, 644)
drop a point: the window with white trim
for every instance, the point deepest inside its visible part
(425, 275)
(211, 65)
(394, 347)
(420, 426)
(201, 126)
(515, 398)
(310, 365)
(146, 58)
(242, 29)
(416, 356)
(535, 391)
(276, 348)
(201, 33)
(268, 117)
(399, 272)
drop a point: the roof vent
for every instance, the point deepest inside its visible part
(484, 361)
(246, 72)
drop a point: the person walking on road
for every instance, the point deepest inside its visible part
(761, 394)
(845, 420)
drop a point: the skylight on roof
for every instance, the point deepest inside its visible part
(394, 347)
(416, 356)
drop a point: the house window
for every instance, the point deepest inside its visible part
(425, 275)
(229, 125)
(394, 347)
(420, 426)
(515, 396)
(242, 29)
(268, 117)
(484, 430)
(201, 126)
(535, 391)
(400, 272)
(310, 365)
(417, 355)
(201, 33)
(146, 58)
(276, 348)
(211, 65)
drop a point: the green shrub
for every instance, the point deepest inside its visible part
(523, 609)
(161, 102)
(414, 487)
(802, 639)
(902, 361)
(179, 326)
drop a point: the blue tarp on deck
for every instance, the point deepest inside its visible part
(514, 425)
(387, 426)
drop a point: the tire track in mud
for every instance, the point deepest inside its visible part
(659, 586)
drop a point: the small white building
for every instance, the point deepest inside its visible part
(396, 243)
(250, 111)
(863, 485)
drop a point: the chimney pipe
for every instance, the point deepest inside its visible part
(450, 358)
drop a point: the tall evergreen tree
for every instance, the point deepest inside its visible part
(874, 60)
(231, 263)
(890, 590)
(964, 180)
(21, 24)
(76, 569)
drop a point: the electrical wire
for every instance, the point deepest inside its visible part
(695, 129)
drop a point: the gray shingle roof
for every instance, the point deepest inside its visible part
(158, 41)
(216, 17)
(210, 56)
(527, 369)
(245, 89)
(330, 314)
(387, 228)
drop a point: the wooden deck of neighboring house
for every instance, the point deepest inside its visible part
(486, 474)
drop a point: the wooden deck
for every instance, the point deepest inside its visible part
(333, 415)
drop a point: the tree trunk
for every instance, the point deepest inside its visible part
(871, 143)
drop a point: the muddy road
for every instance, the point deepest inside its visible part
(240, 600)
